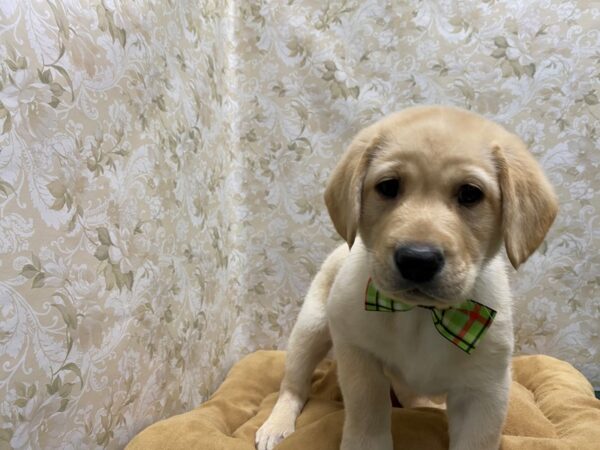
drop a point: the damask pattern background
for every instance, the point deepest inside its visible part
(162, 165)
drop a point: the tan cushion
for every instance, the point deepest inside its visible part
(552, 406)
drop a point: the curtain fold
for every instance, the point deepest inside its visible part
(161, 173)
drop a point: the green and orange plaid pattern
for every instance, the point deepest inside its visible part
(464, 325)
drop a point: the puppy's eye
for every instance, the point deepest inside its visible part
(469, 195)
(388, 188)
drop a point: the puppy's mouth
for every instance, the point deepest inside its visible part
(416, 292)
(420, 297)
(435, 293)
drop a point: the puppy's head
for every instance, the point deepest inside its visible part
(433, 193)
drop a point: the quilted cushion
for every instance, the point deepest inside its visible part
(552, 406)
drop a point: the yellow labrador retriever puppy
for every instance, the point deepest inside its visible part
(424, 199)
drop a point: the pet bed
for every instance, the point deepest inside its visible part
(552, 406)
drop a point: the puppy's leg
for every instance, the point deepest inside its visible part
(476, 415)
(366, 393)
(308, 345)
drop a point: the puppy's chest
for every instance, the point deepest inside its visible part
(415, 351)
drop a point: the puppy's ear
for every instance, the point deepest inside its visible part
(343, 194)
(529, 204)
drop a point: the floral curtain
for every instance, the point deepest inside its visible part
(161, 173)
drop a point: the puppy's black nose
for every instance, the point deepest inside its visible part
(418, 262)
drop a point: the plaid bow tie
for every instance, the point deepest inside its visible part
(464, 325)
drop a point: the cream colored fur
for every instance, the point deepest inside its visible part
(432, 151)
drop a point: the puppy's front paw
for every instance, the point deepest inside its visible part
(273, 431)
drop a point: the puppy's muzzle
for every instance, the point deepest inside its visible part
(418, 263)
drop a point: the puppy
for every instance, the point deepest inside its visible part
(424, 199)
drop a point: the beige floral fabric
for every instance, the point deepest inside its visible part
(161, 174)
